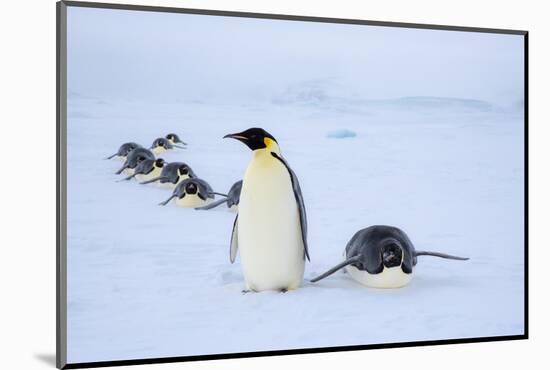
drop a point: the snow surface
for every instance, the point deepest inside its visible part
(438, 153)
(150, 281)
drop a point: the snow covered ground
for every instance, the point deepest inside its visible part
(150, 281)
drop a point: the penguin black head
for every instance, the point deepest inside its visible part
(127, 148)
(392, 255)
(191, 188)
(183, 170)
(161, 142)
(160, 162)
(255, 138)
(174, 138)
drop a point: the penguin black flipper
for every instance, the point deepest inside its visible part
(299, 201)
(128, 178)
(349, 261)
(440, 255)
(125, 166)
(213, 204)
(167, 200)
(234, 242)
(111, 156)
(153, 180)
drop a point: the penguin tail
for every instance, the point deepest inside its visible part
(212, 205)
(152, 180)
(167, 201)
(440, 255)
(335, 268)
(111, 156)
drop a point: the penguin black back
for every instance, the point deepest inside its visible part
(124, 149)
(135, 157)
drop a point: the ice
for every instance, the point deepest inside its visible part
(150, 281)
(341, 134)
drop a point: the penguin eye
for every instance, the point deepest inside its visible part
(184, 171)
(141, 159)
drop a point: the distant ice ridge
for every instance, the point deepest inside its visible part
(328, 95)
(341, 134)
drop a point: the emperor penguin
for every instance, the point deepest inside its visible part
(192, 193)
(175, 139)
(147, 170)
(270, 230)
(161, 145)
(381, 256)
(123, 151)
(134, 158)
(172, 174)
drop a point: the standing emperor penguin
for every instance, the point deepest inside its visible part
(270, 229)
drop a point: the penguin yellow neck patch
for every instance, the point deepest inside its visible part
(271, 145)
(269, 142)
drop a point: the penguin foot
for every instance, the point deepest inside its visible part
(244, 291)
(284, 290)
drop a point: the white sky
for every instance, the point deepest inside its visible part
(116, 54)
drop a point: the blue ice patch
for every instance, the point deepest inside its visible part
(341, 134)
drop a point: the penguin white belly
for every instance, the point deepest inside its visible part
(393, 277)
(269, 231)
(151, 175)
(158, 150)
(128, 171)
(190, 201)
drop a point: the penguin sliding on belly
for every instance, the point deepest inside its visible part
(147, 170)
(270, 229)
(172, 174)
(134, 158)
(232, 199)
(161, 145)
(192, 193)
(123, 151)
(381, 257)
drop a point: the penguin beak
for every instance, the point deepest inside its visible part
(237, 136)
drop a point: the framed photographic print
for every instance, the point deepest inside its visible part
(236, 184)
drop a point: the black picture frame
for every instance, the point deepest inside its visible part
(61, 205)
